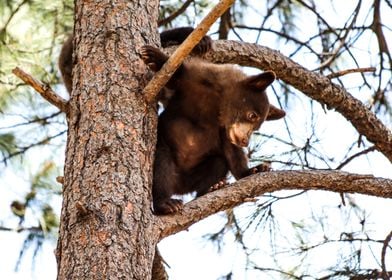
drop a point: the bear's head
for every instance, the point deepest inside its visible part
(245, 107)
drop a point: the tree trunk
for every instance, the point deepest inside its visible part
(106, 227)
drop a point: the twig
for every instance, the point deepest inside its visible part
(161, 77)
(20, 229)
(43, 120)
(364, 152)
(24, 149)
(377, 29)
(385, 273)
(13, 13)
(175, 14)
(349, 71)
(43, 89)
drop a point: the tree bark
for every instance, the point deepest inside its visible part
(106, 227)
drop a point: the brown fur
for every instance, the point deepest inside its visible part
(65, 63)
(207, 121)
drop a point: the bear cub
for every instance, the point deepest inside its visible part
(206, 123)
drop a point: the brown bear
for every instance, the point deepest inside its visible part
(206, 123)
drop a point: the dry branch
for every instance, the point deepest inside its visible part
(160, 78)
(314, 85)
(256, 185)
(43, 89)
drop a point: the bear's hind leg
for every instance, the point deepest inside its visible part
(165, 180)
(211, 172)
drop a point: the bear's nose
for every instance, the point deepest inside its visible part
(244, 142)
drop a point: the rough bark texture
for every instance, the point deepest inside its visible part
(106, 223)
(314, 85)
(256, 185)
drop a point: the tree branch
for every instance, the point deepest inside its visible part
(175, 14)
(314, 85)
(43, 89)
(22, 150)
(348, 160)
(161, 77)
(349, 71)
(256, 185)
(385, 273)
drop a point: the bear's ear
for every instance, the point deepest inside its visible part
(275, 113)
(261, 81)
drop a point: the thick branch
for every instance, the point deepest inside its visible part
(256, 185)
(314, 85)
(43, 89)
(160, 78)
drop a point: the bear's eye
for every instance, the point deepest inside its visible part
(252, 116)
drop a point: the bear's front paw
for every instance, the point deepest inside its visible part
(203, 46)
(153, 57)
(218, 185)
(168, 206)
(264, 167)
